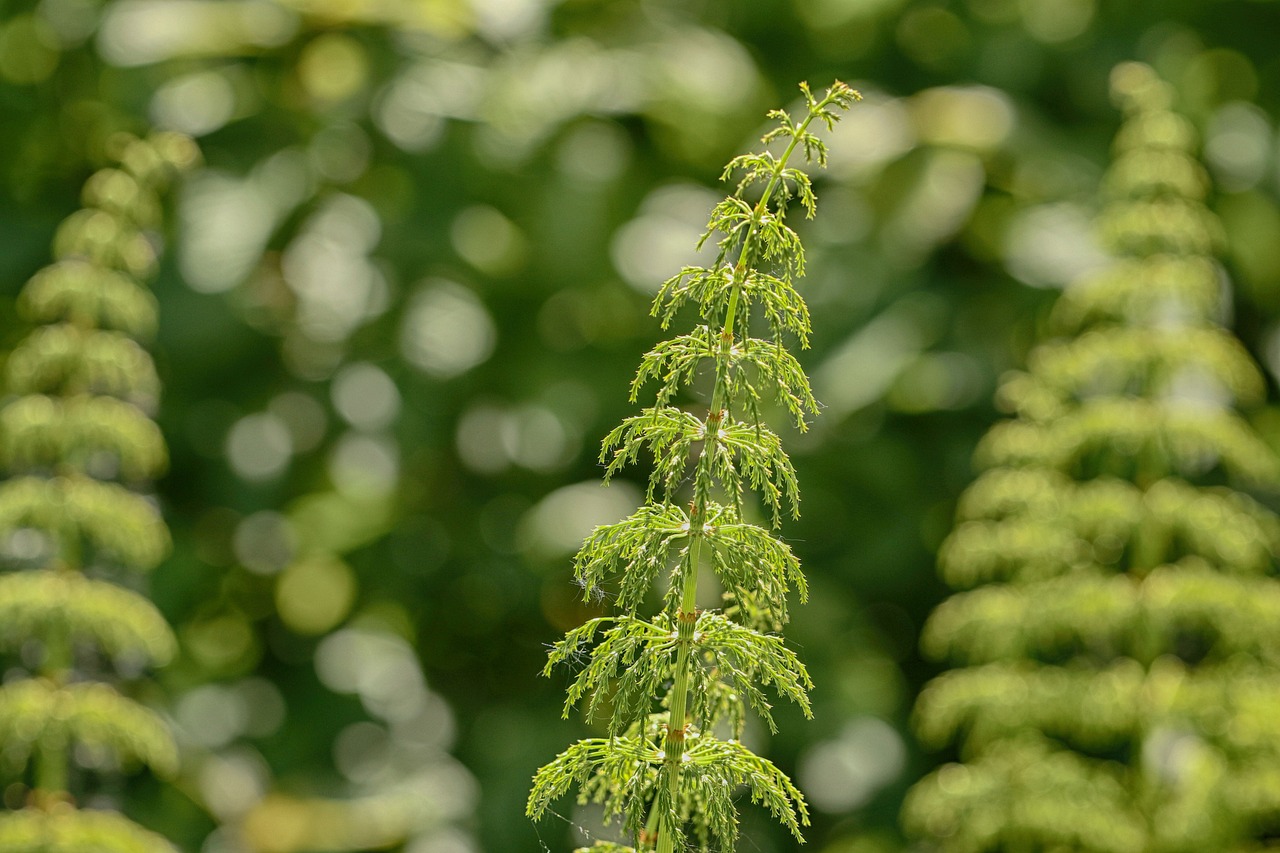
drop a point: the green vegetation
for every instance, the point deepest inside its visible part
(403, 292)
(662, 771)
(1117, 660)
(79, 443)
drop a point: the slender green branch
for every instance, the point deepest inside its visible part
(52, 752)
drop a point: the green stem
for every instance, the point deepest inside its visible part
(51, 771)
(686, 618)
(52, 754)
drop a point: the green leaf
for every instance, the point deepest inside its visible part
(1095, 709)
(784, 309)
(771, 364)
(757, 168)
(1145, 173)
(1026, 789)
(709, 289)
(1091, 613)
(718, 768)
(779, 244)
(751, 362)
(1144, 291)
(1171, 225)
(1113, 434)
(621, 773)
(675, 362)
(106, 240)
(124, 196)
(634, 657)
(1146, 362)
(732, 218)
(743, 658)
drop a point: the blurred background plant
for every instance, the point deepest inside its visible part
(1113, 646)
(80, 448)
(413, 273)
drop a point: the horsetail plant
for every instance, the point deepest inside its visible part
(78, 442)
(1115, 685)
(675, 686)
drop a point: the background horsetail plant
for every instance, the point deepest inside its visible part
(78, 442)
(1115, 689)
(677, 683)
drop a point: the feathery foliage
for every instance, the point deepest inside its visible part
(78, 442)
(672, 689)
(1117, 653)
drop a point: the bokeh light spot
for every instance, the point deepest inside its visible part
(1239, 145)
(489, 241)
(264, 542)
(1055, 21)
(333, 67)
(365, 466)
(595, 152)
(259, 446)
(365, 396)
(446, 330)
(662, 238)
(304, 418)
(557, 524)
(315, 594)
(1051, 245)
(842, 774)
(194, 104)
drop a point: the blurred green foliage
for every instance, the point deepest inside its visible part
(80, 451)
(1115, 649)
(405, 293)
